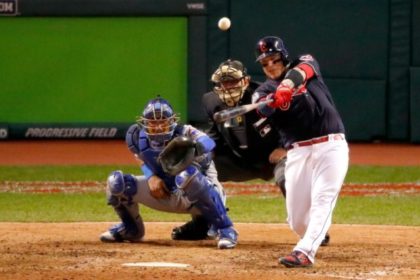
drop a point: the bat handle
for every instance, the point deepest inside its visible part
(265, 102)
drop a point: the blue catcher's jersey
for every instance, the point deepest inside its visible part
(138, 144)
(310, 114)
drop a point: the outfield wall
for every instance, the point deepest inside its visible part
(72, 71)
(368, 52)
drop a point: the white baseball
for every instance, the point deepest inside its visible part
(224, 23)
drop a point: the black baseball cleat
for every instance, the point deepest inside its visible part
(196, 229)
(326, 240)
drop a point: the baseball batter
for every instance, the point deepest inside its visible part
(307, 120)
(193, 188)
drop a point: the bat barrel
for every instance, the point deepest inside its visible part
(230, 113)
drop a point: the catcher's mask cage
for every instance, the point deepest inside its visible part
(230, 81)
(271, 45)
(158, 121)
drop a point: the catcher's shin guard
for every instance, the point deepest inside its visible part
(120, 187)
(120, 191)
(131, 229)
(199, 190)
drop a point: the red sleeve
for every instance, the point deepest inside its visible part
(309, 71)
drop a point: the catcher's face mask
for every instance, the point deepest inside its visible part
(230, 82)
(158, 127)
(158, 121)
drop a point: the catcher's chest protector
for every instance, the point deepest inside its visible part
(149, 156)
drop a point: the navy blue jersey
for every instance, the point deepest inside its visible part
(310, 114)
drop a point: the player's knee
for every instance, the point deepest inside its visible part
(120, 187)
(187, 177)
(193, 183)
(115, 183)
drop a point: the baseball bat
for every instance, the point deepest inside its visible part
(231, 113)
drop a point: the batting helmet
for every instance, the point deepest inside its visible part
(270, 45)
(230, 81)
(158, 121)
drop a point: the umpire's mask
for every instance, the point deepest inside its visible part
(230, 81)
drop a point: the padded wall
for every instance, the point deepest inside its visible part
(399, 74)
(362, 105)
(349, 38)
(415, 74)
(415, 104)
(415, 33)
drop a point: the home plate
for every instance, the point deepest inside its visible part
(156, 264)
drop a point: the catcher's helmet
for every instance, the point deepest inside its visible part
(158, 121)
(230, 81)
(271, 45)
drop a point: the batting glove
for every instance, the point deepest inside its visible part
(283, 95)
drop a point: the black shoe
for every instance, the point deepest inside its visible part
(326, 240)
(196, 229)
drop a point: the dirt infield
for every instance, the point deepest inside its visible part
(73, 251)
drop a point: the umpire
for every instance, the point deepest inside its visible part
(246, 146)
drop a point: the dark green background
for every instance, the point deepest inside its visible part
(367, 50)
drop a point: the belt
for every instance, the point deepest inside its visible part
(322, 139)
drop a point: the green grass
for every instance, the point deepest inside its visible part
(62, 173)
(379, 210)
(356, 174)
(60, 207)
(18, 207)
(382, 174)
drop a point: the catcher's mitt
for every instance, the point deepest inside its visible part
(177, 155)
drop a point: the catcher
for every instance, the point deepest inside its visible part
(179, 177)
